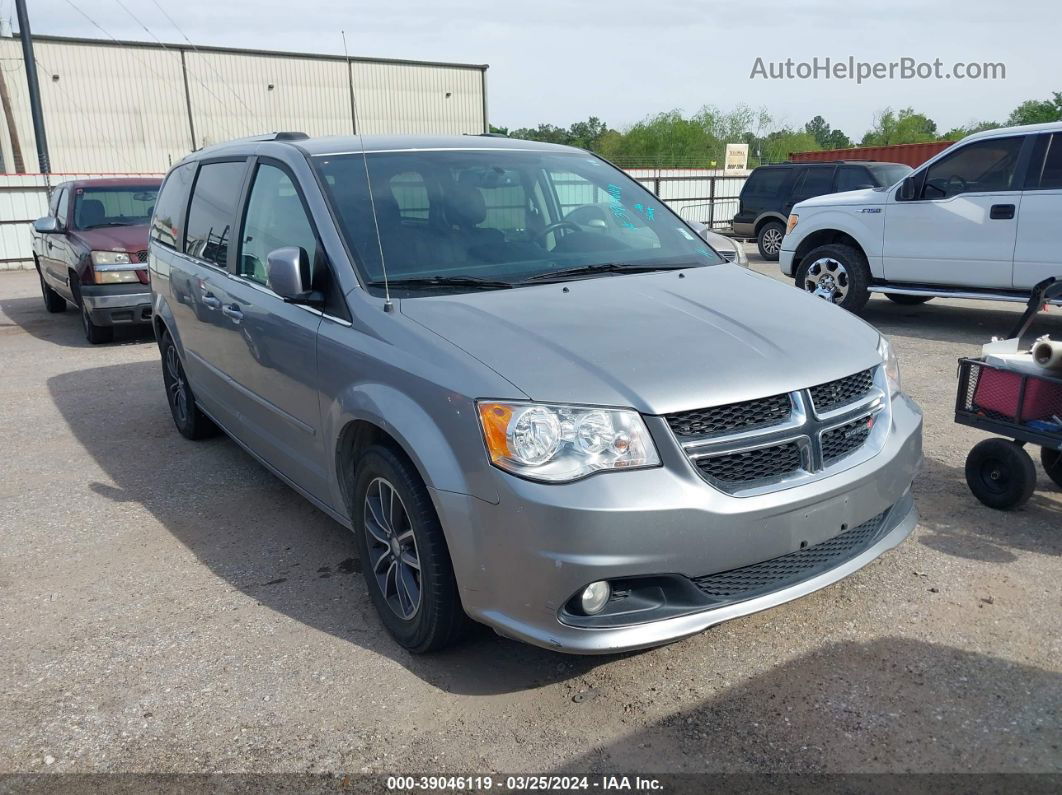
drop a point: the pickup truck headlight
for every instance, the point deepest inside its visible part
(113, 267)
(794, 219)
(892, 366)
(556, 444)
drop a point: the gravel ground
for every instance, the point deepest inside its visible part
(170, 606)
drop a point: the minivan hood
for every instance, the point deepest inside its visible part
(657, 342)
(872, 196)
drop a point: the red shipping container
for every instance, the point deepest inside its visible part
(999, 390)
(912, 155)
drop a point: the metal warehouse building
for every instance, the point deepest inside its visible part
(125, 107)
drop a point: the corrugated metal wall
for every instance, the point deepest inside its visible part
(111, 107)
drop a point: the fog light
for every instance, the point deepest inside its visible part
(595, 597)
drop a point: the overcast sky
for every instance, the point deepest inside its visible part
(560, 62)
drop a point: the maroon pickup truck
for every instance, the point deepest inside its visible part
(90, 251)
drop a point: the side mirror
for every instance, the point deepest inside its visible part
(907, 188)
(47, 225)
(285, 268)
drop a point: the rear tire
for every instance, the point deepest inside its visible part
(404, 556)
(769, 240)
(53, 302)
(1001, 474)
(836, 273)
(908, 300)
(190, 421)
(1052, 461)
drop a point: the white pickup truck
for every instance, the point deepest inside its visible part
(982, 219)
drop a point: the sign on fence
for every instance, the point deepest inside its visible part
(737, 157)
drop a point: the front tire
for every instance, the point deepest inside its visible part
(95, 334)
(1052, 461)
(908, 300)
(1001, 474)
(405, 559)
(769, 240)
(53, 302)
(190, 421)
(836, 273)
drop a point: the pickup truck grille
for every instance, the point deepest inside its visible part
(775, 442)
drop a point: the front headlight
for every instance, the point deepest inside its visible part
(110, 258)
(113, 267)
(742, 258)
(794, 219)
(556, 443)
(892, 366)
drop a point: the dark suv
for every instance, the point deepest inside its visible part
(771, 191)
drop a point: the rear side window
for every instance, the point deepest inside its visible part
(815, 181)
(764, 183)
(168, 220)
(1050, 174)
(213, 211)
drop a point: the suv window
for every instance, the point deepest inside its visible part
(815, 181)
(975, 168)
(1050, 168)
(210, 216)
(168, 220)
(854, 178)
(275, 219)
(764, 183)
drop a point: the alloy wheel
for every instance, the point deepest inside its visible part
(827, 278)
(176, 385)
(393, 556)
(772, 241)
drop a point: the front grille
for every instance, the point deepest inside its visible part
(752, 465)
(141, 256)
(834, 394)
(840, 441)
(731, 418)
(749, 582)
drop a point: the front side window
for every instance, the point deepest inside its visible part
(980, 167)
(62, 206)
(500, 215)
(213, 210)
(118, 206)
(275, 219)
(168, 219)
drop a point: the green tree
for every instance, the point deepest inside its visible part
(904, 127)
(825, 137)
(956, 133)
(1038, 111)
(779, 144)
(499, 130)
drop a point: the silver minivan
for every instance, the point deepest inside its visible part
(536, 395)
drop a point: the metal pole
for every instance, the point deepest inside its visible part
(34, 88)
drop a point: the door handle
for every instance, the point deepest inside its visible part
(233, 311)
(211, 301)
(1001, 212)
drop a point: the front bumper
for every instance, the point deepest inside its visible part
(519, 561)
(117, 304)
(785, 261)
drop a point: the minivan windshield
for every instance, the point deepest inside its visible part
(494, 218)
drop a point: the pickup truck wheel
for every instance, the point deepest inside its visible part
(53, 302)
(190, 421)
(404, 556)
(1052, 461)
(769, 240)
(836, 273)
(1001, 474)
(908, 300)
(94, 333)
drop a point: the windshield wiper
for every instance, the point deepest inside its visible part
(111, 223)
(445, 281)
(604, 267)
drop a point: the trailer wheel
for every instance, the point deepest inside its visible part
(1052, 461)
(1001, 474)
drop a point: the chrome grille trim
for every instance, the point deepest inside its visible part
(806, 428)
